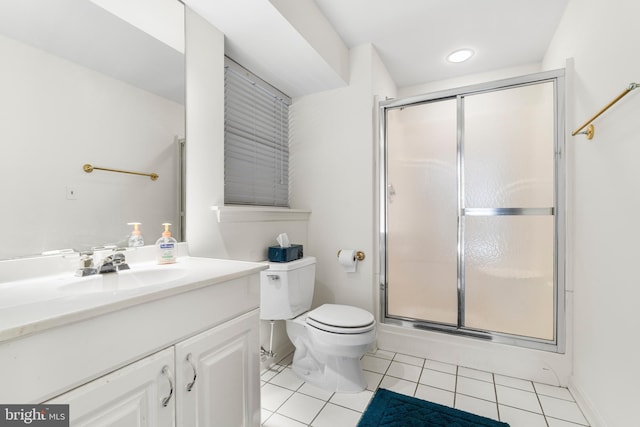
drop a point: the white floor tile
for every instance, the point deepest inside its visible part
(552, 391)
(411, 360)
(441, 366)
(475, 374)
(514, 383)
(398, 385)
(383, 354)
(301, 407)
(480, 407)
(286, 361)
(356, 401)
(516, 417)
(438, 379)
(287, 379)
(553, 422)
(336, 416)
(267, 374)
(372, 379)
(435, 395)
(264, 414)
(562, 409)
(277, 420)
(476, 388)
(518, 399)
(272, 396)
(404, 371)
(317, 392)
(375, 364)
(287, 401)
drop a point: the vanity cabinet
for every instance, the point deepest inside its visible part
(113, 354)
(208, 380)
(130, 396)
(218, 379)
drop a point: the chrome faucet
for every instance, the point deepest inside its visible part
(110, 263)
(113, 263)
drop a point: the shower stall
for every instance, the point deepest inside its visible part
(472, 211)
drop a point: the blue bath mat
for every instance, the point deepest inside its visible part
(389, 409)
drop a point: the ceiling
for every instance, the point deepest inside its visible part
(300, 46)
(413, 37)
(288, 42)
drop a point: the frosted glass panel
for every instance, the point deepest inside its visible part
(509, 274)
(509, 146)
(422, 212)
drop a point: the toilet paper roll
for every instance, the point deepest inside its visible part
(348, 261)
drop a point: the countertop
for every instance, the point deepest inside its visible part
(39, 303)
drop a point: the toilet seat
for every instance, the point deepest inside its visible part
(341, 319)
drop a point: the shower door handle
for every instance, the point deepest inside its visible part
(391, 192)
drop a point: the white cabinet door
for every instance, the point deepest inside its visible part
(224, 362)
(132, 396)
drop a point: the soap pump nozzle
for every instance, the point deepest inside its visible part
(166, 232)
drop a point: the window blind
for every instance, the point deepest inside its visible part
(256, 140)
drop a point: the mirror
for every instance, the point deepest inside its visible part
(81, 85)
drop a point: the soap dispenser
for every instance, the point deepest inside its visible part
(136, 236)
(167, 246)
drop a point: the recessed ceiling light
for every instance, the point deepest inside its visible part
(460, 55)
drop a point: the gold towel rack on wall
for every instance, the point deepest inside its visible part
(90, 168)
(590, 128)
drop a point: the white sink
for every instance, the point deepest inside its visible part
(26, 292)
(124, 280)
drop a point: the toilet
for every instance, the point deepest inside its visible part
(329, 340)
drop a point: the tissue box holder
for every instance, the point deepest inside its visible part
(278, 254)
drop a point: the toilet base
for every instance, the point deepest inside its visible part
(335, 373)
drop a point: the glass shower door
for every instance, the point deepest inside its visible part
(422, 212)
(508, 208)
(471, 183)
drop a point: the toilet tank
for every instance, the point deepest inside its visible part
(286, 288)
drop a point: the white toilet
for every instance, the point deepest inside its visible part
(329, 340)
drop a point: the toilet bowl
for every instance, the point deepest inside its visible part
(330, 340)
(328, 351)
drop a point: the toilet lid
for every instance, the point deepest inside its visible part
(342, 319)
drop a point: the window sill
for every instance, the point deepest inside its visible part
(258, 214)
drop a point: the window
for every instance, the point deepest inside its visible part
(256, 140)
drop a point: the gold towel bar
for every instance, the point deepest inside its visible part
(90, 168)
(590, 129)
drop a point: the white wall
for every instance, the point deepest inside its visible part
(332, 174)
(601, 36)
(57, 116)
(242, 239)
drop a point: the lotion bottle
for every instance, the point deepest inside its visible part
(136, 236)
(166, 247)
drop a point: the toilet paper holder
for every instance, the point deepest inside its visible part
(359, 255)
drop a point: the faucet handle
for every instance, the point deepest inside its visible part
(86, 259)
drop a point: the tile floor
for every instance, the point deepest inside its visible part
(289, 401)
